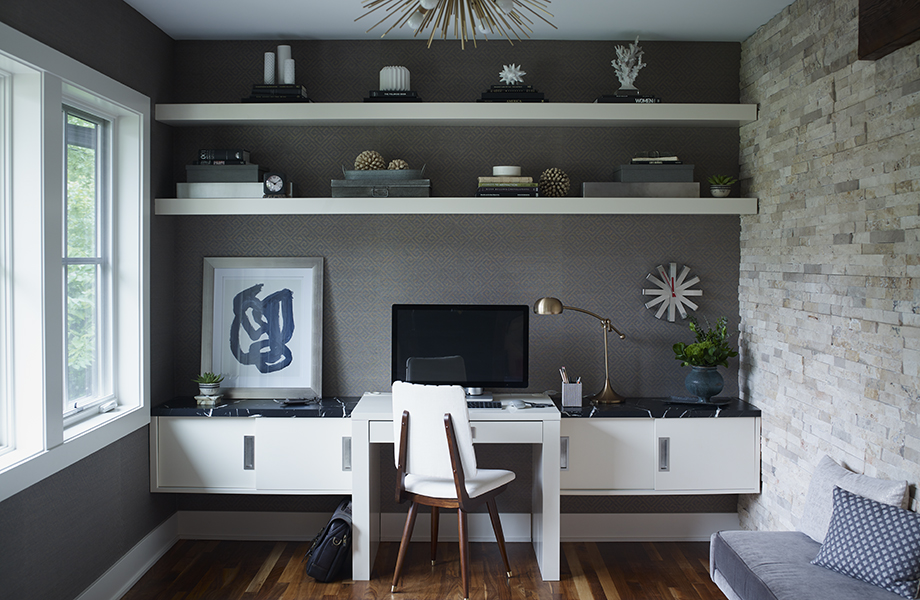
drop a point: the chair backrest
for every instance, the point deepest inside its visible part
(427, 453)
(435, 368)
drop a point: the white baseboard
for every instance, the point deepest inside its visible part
(287, 526)
(115, 583)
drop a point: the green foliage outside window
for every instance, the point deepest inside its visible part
(81, 280)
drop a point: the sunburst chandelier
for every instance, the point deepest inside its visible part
(509, 18)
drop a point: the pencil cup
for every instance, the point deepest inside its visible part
(571, 394)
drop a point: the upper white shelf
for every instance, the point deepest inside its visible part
(458, 114)
(455, 206)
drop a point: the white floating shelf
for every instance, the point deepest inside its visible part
(457, 206)
(458, 114)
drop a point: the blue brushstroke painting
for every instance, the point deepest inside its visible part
(269, 323)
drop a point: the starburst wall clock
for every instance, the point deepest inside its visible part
(672, 291)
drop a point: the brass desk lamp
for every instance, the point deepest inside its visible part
(554, 306)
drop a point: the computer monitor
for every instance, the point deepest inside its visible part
(472, 345)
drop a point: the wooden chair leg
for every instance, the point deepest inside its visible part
(434, 533)
(404, 544)
(464, 554)
(499, 535)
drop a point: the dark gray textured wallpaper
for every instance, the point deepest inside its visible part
(598, 263)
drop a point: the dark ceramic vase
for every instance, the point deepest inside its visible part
(704, 382)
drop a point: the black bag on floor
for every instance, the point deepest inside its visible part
(329, 557)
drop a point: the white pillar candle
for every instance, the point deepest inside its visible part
(269, 68)
(289, 71)
(284, 53)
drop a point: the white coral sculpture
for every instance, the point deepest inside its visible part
(512, 74)
(627, 64)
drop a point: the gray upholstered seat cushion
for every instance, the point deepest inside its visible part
(776, 565)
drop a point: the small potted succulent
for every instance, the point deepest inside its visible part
(209, 383)
(704, 356)
(720, 186)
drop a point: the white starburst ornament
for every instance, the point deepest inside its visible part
(512, 74)
(627, 64)
(672, 292)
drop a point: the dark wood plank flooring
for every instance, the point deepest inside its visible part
(230, 570)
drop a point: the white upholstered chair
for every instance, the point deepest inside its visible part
(436, 467)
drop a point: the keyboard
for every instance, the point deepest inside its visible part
(483, 404)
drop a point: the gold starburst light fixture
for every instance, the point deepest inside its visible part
(497, 17)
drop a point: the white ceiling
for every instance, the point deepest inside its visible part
(660, 20)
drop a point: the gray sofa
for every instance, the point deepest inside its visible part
(776, 565)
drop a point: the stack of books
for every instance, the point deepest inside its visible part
(512, 93)
(655, 158)
(508, 187)
(392, 96)
(278, 93)
(222, 173)
(628, 97)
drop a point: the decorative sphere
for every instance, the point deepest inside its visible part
(429, 4)
(506, 6)
(415, 21)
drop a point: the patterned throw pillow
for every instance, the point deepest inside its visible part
(877, 543)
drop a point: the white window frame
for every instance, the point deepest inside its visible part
(41, 441)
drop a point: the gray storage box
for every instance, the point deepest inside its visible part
(612, 189)
(223, 173)
(652, 173)
(385, 188)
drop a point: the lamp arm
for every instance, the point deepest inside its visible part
(606, 322)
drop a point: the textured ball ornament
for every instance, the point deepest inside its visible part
(369, 160)
(397, 164)
(554, 183)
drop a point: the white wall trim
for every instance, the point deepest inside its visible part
(115, 583)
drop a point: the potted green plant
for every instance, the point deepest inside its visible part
(720, 186)
(710, 351)
(208, 383)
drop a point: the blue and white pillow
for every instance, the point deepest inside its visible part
(877, 543)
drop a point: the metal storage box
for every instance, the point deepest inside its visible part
(613, 189)
(647, 173)
(380, 188)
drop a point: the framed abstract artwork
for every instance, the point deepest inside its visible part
(262, 326)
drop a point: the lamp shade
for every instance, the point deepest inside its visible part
(548, 306)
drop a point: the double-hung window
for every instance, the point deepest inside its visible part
(87, 265)
(74, 204)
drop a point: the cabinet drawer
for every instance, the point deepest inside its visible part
(201, 453)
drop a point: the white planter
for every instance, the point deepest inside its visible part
(720, 191)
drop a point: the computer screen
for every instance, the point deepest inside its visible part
(472, 345)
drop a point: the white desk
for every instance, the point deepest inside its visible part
(372, 424)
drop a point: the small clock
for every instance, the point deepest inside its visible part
(273, 185)
(672, 291)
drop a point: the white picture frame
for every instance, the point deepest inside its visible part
(262, 326)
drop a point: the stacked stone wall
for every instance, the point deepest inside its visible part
(829, 288)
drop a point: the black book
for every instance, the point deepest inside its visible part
(511, 88)
(231, 161)
(628, 99)
(392, 99)
(275, 99)
(512, 95)
(279, 90)
(392, 94)
(512, 100)
(223, 154)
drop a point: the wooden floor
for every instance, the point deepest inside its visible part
(227, 570)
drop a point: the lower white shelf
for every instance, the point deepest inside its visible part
(456, 205)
